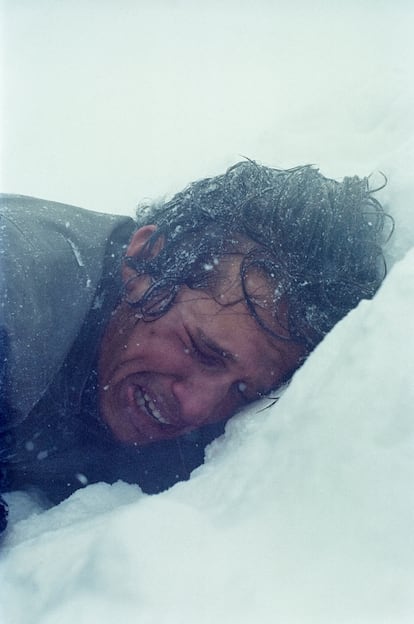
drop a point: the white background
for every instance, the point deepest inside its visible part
(106, 102)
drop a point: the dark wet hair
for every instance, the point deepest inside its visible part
(317, 241)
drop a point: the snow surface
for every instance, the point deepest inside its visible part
(302, 513)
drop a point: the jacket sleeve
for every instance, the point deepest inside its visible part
(51, 258)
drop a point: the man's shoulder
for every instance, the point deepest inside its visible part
(40, 208)
(53, 256)
(46, 222)
(13, 200)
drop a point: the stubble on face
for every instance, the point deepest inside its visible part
(143, 366)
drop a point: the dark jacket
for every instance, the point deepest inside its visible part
(59, 282)
(52, 260)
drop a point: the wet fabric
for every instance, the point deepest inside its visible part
(60, 281)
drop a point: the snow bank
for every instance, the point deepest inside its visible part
(302, 513)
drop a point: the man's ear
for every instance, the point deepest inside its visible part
(140, 238)
(135, 247)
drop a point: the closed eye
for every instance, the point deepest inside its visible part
(203, 354)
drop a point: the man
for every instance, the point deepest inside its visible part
(126, 346)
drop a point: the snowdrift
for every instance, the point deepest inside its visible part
(302, 513)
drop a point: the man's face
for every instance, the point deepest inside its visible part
(197, 364)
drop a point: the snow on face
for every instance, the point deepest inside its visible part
(195, 365)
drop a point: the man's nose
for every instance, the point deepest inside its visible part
(202, 398)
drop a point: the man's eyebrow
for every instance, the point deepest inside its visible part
(214, 346)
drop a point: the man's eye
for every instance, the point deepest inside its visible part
(203, 357)
(206, 358)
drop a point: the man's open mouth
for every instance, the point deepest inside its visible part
(144, 401)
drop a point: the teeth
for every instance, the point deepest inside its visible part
(143, 400)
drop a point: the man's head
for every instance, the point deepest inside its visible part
(227, 287)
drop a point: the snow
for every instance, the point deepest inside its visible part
(303, 512)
